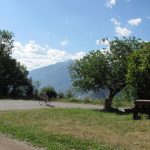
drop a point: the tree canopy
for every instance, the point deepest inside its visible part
(138, 74)
(104, 70)
(13, 76)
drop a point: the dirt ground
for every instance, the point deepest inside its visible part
(6, 143)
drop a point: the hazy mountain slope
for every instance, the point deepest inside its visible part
(56, 75)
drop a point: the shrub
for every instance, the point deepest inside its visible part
(60, 95)
(49, 91)
(87, 100)
(69, 94)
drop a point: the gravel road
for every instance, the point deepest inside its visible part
(29, 104)
(7, 143)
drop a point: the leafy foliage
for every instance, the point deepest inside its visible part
(13, 75)
(6, 43)
(69, 93)
(89, 72)
(49, 91)
(60, 95)
(139, 71)
(108, 70)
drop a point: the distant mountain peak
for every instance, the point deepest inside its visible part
(56, 75)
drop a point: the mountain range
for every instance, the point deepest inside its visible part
(56, 75)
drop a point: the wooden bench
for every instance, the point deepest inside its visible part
(141, 106)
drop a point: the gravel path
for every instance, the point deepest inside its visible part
(28, 104)
(12, 144)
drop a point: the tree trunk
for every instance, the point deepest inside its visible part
(108, 101)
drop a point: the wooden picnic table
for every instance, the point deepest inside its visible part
(141, 106)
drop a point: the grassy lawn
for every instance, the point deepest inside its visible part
(66, 129)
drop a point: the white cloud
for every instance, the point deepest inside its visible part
(115, 21)
(33, 55)
(110, 3)
(78, 55)
(122, 31)
(135, 22)
(98, 42)
(64, 43)
(102, 42)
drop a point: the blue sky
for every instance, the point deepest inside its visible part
(49, 31)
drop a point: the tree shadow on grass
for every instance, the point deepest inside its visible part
(119, 111)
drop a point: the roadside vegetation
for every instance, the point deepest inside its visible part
(117, 102)
(76, 129)
(124, 99)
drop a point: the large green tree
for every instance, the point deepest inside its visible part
(13, 75)
(98, 70)
(138, 75)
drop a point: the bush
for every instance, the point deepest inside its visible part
(60, 95)
(49, 91)
(69, 94)
(74, 100)
(87, 100)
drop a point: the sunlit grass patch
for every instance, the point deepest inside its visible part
(81, 129)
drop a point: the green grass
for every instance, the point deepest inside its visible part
(66, 129)
(116, 102)
(122, 103)
(49, 141)
(85, 101)
(39, 127)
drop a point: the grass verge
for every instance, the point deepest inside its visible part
(66, 129)
(34, 127)
(49, 141)
(116, 102)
